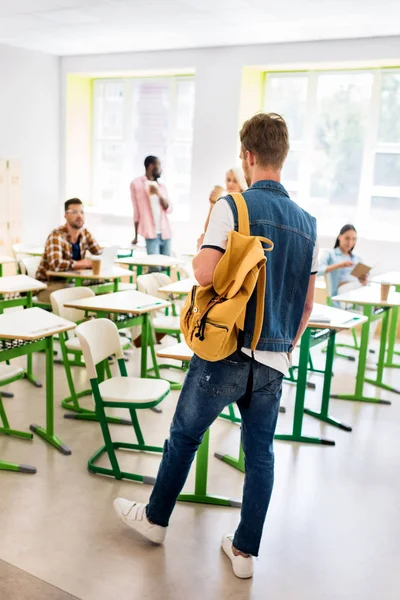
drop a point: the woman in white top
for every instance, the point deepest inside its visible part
(234, 182)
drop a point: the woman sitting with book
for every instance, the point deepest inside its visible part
(340, 263)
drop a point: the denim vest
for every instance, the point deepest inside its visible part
(293, 231)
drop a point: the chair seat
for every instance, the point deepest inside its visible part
(124, 287)
(133, 389)
(167, 323)
(73, 344)
(9, 372)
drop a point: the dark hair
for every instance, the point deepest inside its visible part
(345, 229)
(72, 201)
(266, 135)
(149, 160)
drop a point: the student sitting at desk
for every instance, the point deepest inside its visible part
(66, 247)
(340, 262)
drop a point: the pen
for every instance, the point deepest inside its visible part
(148, 305)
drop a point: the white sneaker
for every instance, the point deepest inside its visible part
(242, 566)
(133, 514)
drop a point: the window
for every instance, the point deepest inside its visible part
(344, 161)
(133, 118)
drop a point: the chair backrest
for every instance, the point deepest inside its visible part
(99, 339)
(29, 265)
(60, 297)
(151, 283)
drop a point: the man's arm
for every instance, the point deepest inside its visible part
(307, 310)
(136, 211)
(212, 245)
(204, 264)
(55, 255)
(93, 246)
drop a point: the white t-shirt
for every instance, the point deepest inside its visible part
(221, 223)
(155, 206)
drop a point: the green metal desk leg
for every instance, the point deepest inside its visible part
(1, 270)
(145, 345)
(200, 491)
(381, 361)
(392, 337)
(48, 433)
(236, 463)
(297, 435)
(6, 466)
(116, 283)
(29, 371)
(358, 396)
(323, 415)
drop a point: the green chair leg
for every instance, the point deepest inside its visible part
(110, 447)
(6, 429)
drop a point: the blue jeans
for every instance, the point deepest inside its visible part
(158, 246)
(209, 387)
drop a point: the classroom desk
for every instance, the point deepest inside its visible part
(369, 297)
(392, 277)
(128, 308)
(113, 274)
(20, 284)
(32, 330)
(316, 333)
(178, 288)
(5, 260)
(150, 260)
(31, 250)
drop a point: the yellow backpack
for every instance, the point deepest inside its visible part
(212, 316)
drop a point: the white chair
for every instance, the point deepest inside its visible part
(100, 339)
(150, 284)
(29, 265)
(70, 345)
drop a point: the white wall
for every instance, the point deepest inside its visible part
(218, 80)
(29, 131)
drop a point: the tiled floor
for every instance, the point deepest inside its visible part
(333, 530)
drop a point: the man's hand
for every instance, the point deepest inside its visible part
(85, 263)
(154, 189)
(134, 241)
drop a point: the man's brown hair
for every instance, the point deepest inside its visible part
(266, 136)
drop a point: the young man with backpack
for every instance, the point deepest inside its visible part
(210, 386)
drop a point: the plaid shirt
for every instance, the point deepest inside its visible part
(57, 254)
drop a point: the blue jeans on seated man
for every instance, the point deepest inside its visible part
(209, 387)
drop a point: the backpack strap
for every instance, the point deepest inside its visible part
(243, 213)
(261, 283)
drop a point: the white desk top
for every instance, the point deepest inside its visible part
(31, 250)
(339, 319)
(32, 324)
(20, 283)
(150, 260)
(392, 277)
(177, 352)
(179, 287)
(6, 259)
(129, 302)
(369, 295)
(112, 273)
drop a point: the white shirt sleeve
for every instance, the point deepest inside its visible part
(314, 265)
(220, 224)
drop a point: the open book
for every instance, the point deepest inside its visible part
(360, 270)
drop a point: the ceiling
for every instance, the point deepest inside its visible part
(67, 27)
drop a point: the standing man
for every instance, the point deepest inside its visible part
(66, 247)
(151, 207)
(210, 386)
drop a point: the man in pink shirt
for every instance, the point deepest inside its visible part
(151, 207)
